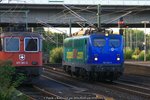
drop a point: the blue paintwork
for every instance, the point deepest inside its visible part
(105, 54)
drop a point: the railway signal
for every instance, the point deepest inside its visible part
(121, 25)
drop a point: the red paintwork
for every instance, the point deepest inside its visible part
(29, 56)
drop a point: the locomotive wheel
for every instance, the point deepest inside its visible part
(101, 77)
(83, 73)
(90, 76)
(77, 72)
(65, 69)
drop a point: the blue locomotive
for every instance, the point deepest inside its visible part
(97, 56)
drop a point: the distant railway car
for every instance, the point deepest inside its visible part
(24, 50)
(95, 56)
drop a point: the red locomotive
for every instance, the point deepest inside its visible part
(24, 49)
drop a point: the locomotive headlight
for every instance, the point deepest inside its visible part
(106, 34)
(118, 58)
(95, 58)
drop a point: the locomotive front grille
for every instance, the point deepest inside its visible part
(107, 68)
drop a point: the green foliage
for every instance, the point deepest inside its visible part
(128, 53)
(13, 94)
(38, 29)
(134, 38)
(52, 40)
(136, 51)
(135, 57)
(56, 55)
(8, 82)
(141, 55)
(148, 56)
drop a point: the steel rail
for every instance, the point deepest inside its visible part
(121, 86)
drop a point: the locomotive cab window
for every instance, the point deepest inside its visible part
(31, 44)
(12, 44)
(99, 42)
(114, 43)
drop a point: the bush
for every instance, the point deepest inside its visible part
(7, 81)
(128, 53)
(141, 55)
(56, 55)
(135, 57)
(136, 51)
(148, 56)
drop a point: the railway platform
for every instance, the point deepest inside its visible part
(137, 68)
(140, 63)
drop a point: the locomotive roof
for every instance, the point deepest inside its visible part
(92, 35)
(25, 34)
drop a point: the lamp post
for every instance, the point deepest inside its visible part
(144, 43)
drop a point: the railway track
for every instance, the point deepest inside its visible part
(34, 92)
(79, 93)
(123, 86)
(130, 81)
(128, 88)
(135, 88)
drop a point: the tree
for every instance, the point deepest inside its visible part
(52, 40)
(9, 81)
(134, 38)
(56, 55)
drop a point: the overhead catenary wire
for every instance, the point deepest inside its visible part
(84, 9)
(11, 12)
(76, 15)
(45, 24)
(107, 21)
(123, 15)
(130, 10)
(90, 24)
(56, 18)
(110, 13)
(119, 17)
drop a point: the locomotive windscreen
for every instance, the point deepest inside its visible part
(31, 44)
(114, 43)
(99, 42)
(11, 44)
